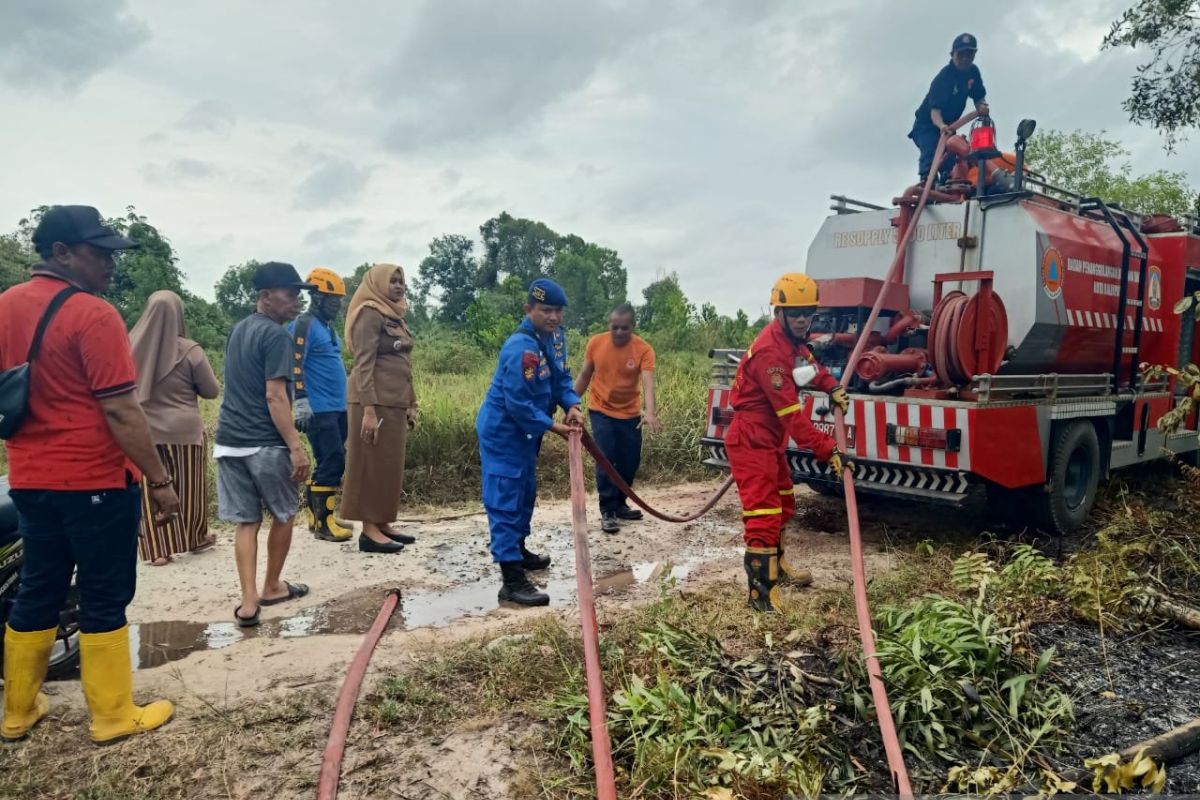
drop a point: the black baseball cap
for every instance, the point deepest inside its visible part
(278, 275)
(77, 225)
(964, 41)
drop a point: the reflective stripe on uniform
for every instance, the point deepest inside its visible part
(787, 491)
(783, 412)
(762, 512)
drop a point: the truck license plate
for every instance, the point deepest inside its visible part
(827, 428)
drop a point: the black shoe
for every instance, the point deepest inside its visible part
(608, 522)
(368, 545)
(402, 538)
(625, 512)
(517, 588)
(533, 561)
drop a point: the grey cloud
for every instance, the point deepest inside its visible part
(208, 116)
(177, 170)
(333, 245)
(475, 70)
(474, 201)
(61, 44)
(335, 233)
(335, 180)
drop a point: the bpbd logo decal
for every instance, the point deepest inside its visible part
(1053, 267)
(1154, 289)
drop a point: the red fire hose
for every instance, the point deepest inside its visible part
(331, 763)
(625, 488)
(883, 709)
(606, 788)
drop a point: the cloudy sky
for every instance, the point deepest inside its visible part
(699, 137)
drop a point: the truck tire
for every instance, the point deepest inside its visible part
(1073, 476)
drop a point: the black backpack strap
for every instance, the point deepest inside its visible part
(299, 341)
(55, 304)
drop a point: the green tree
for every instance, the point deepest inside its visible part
(666, 307)
(235, 291)
(451, 270)
(206, 323)
(523, 248)
(144, 270)
(495, 314)
(1090, 164)
(1165, 91)
(594, 281)
(15, 260)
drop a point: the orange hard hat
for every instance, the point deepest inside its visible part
(794, 290)
(327, 281)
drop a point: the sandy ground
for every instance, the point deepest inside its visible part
(188, 649)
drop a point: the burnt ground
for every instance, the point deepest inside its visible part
(1127, 688)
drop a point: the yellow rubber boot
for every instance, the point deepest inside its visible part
(26, 656)
(107, 674)
(790, 574)
(324, 498)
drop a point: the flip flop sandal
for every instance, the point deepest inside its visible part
(295, 591)
(207, 544)
(245, 622)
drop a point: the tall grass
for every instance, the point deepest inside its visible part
(443, 454)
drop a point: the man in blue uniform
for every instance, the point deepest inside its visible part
(945, 101)
(532, 378)
(320, 408)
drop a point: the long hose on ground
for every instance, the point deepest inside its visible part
(331, 763)
(883, 709)
(628, 491)
(597, 711)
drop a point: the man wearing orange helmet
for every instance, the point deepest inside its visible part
(767, 412)
(320, 407)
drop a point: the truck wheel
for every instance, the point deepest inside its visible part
(1074, 474)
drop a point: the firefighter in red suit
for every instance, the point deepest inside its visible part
(767, 412)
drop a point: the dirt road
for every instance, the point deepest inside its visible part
(189, 649)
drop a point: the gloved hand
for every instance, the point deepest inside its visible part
(302, 414)
(837, 466)
(840, 398)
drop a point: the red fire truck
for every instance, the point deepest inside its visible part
(1007, 360)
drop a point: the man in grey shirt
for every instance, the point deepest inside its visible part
(260, 461)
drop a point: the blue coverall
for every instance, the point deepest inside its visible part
(531, 379)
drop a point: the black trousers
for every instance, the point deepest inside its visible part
(94, 531)
(926, 140)
(327, 435)
(621, 442)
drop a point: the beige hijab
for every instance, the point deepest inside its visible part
(373, 293)
(158, 340)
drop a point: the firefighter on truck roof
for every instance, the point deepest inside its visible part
(768, 411)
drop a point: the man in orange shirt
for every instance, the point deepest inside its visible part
(613, 363)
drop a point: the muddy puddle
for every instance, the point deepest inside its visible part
(157, 643)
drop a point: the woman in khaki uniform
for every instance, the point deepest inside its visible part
(382, 407)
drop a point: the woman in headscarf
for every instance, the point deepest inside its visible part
(172, 372)
(382, 407)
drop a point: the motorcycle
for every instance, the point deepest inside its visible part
(64, 657)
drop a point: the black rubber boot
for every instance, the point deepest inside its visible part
(533, 561)
(517, 588)
(762, 572)
(321, 500)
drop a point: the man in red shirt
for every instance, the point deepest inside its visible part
(766, 404)
(75, 465)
